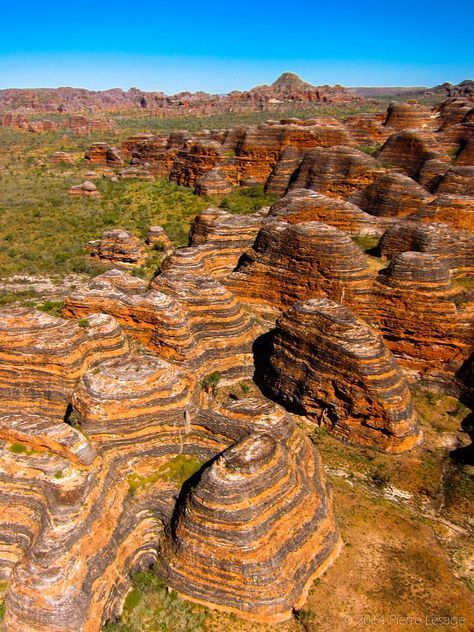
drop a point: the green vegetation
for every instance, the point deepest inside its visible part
(83, 322)
(370, 149)
(465, 282)
(210, 383)
(366, 242)
(176, 470)
(18, 448)
(51, 307)
(151, 606)
(247, 199)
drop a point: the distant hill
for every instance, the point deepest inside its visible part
(465, 89)
(287, 89)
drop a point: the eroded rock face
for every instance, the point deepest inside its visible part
(103, 154)
(452, 246)
(144, 416)
(158, 238)
(86, 189)
(305, 205)
(217, 240)
(337, 171)
(455, 210)
(120, 247)
(222, 554)
(213, 183)
(392, 195)
(409, 150)
(325, 363)
(426, 321)
(401, 116)
(293, 262)
(458, 181)
(42, 357)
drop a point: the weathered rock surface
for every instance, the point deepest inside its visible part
(142, 415)
(454, 247)
(86, 189)
(217, 240)
(156, 235)
(103, 154)
(455, 210)
(325, 363)
(337, 171)
(426, 321)
(293, 262)
(119, 247)
(213, 183)
(457, 181)
(256, 529)
(42, 357)
(401, 116)
(392, 195)
(306, 205)
(409, 150)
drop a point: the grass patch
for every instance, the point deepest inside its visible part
(210, 383)
(151, 606)
(247, 200)
(176, 470)
(366, 242)
(53, 308)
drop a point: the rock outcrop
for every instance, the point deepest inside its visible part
(213, 183)
(392, 195)
(426, 321)
(325, 363)
(42, 357)
(454, 247)
(306, 205)
(293, 262)
(103, 154)
(409, 151)
(118, 247)
(255, 530)
(86, 189)
(217, 240)
(337, 171)
(455, 210)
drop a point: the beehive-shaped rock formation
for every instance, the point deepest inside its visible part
(409, 150)
(392, 195)
(305, 205)
(255, 530)
(454, 247)
(329, 365)
(292, 262)
(213, 183)
(103, 154)
(119, 247)
(458, 181)
(288, 162)
(401, 116)
(337, 171)
(42, 357)
(423, 317)
(455, 210)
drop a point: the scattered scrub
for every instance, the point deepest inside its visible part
(210, 383)
(176, 470)
(151, 606)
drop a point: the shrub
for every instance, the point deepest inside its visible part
(151, 606)
(18, 448)
(210, 383)
(83, 322)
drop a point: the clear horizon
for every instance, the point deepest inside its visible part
(219, 48)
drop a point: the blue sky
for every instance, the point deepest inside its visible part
(220, 46)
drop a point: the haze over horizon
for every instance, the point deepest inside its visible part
(155, 46)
